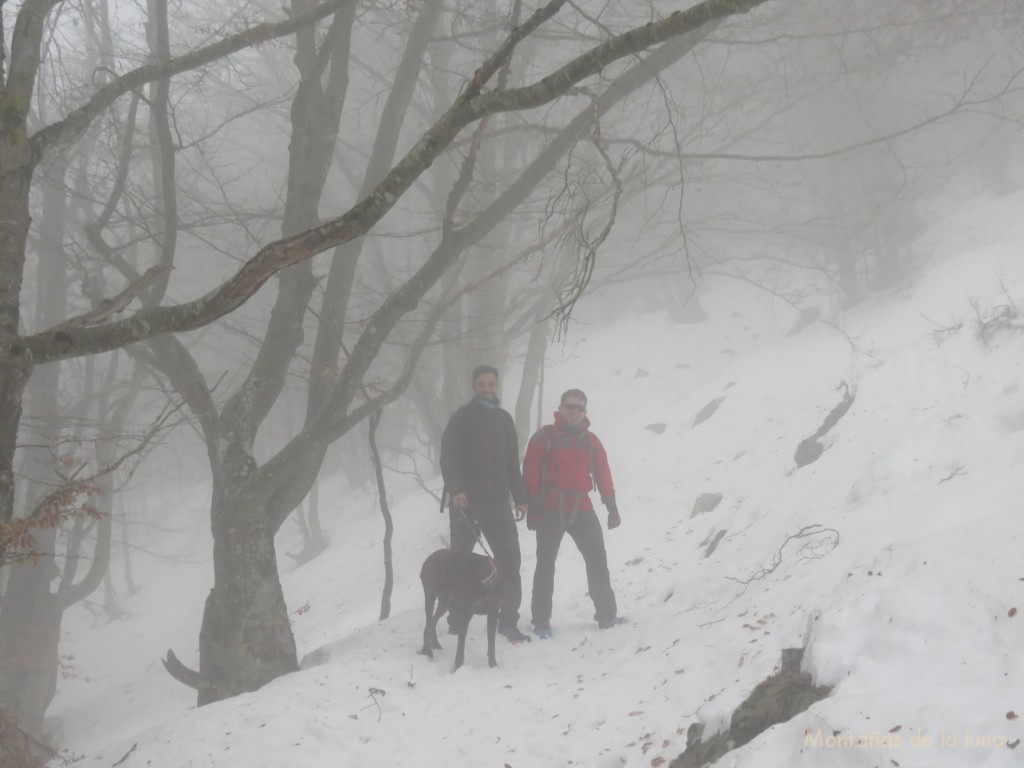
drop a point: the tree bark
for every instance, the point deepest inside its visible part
(29, 636)
(31, 617)
(246, 637)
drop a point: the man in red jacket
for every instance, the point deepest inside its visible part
(563, 463)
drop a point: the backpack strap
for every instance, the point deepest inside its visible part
(549, 432)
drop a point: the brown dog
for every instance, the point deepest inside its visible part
(465, 584)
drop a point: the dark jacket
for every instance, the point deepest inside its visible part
(480, 455)
(567, 465)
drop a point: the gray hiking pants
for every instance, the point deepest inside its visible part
(585, 529)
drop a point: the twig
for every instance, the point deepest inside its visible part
(958, 469)
(941, 332)
(829, 537)
(374, 693)
(125, 755)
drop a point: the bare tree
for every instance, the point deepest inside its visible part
(248, 642)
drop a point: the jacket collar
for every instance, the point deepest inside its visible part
(561, 426)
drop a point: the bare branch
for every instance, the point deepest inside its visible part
(75, 124)
(107, 308)
(50, 345)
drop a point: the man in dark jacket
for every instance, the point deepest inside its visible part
(480, 466)
(563, 463)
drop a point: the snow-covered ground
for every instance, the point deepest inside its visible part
(906, 592)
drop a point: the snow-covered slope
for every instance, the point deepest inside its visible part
(904, 588)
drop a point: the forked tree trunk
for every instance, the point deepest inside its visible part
(245, 640)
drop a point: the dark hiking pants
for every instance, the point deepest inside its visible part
(585, 529)
(498, 527)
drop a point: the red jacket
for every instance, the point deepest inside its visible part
(569, 469)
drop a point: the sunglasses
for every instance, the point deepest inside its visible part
(574, 408)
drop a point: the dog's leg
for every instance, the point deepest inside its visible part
(461, 620)
(429, 633)
(492, 628)
(443, 602)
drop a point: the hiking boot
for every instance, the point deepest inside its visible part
(514, 635)
(544, 633)
(609, 623)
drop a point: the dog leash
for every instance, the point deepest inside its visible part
(479, 540)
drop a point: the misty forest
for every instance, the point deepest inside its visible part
(256, 245)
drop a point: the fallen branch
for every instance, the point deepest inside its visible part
(374, 693)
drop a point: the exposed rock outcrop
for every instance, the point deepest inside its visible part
(780, 697)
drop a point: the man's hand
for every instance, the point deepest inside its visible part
(460, 501)
(520, 512)
(614, 521)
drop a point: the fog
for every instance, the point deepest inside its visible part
(244, 248)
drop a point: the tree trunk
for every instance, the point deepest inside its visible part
(246, 638)
(533, 365)
(385, 511)
(31, 616)
(14, 224)
(29, 637)
(849, 280)
(126, 549)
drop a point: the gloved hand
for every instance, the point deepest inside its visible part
(614, 521)
(532, 519)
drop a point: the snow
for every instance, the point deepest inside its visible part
(904, 595)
